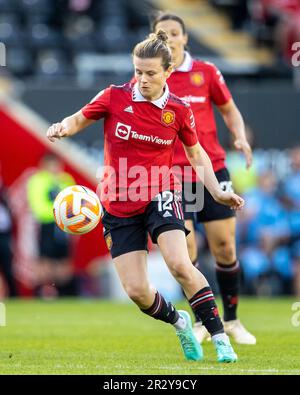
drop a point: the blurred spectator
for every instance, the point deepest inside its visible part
(280, 19)
(275, 23)
(79, 5)
(6, 268)
(54, 270)
(263, 232)
(243, 179)
(290, 195)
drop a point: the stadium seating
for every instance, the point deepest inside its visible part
(97, 27)
(31, 28)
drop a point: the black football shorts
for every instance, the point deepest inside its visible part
(211, 210)
(123, 235)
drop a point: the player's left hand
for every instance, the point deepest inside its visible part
(234, 201)
(244, 146)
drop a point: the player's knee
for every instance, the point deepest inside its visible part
(180, 268)
(225, 251)
(137, 292)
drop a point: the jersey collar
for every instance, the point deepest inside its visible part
(160, 103)
(187, 63)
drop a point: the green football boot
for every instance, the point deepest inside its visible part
(191, 348)
(225, 352)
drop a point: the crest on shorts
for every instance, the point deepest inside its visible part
(108, 241)
(197, 79)
(168, 117)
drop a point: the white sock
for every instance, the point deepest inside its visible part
(180, 323)
(220, 336)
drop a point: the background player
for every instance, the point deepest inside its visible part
(132, 113)
(202, 85)
(54, 272)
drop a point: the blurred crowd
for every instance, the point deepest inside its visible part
(272, 22)
(268, 231)
(268, 227)
(45, 38)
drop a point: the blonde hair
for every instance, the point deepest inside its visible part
(155, 46)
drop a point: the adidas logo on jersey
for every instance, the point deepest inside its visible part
(167, 214)
(129, 109)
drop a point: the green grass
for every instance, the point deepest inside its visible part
(101, 337)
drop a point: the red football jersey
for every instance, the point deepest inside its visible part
(200, 84)
(139, 139)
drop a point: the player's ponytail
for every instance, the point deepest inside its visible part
(155, 46)
(160, 35)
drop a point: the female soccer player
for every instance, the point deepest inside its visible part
(202, 85)
(141, 123)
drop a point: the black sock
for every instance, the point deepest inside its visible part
(205, 309)
(161, 310)
(228, 279)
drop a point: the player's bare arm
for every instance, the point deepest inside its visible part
(234, 121)
(68, 126)
(199, 158)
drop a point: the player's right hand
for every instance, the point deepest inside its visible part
(234, 201)
(56, 131)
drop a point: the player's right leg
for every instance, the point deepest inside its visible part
(132, 271)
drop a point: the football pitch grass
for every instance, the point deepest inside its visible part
(81, 336)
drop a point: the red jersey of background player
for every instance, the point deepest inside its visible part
(141, 133)
(201, 84)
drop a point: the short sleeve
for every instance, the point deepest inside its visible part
(219, 91)
(187, 133)
(98, 106)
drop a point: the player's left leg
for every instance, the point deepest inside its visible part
(221, 239)
(173, 247)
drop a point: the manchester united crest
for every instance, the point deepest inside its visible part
(197, 79)
(168, 117)
(109, 241)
